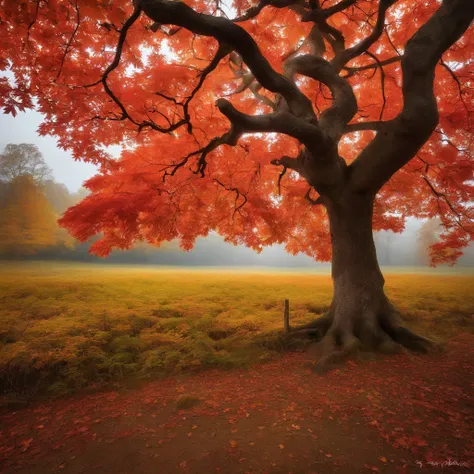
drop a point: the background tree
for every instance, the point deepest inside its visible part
(31, 203)
(27, 221)
(427, 236)
(24, 159)
(330, 128)
(58, 196)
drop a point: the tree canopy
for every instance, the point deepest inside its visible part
(217, 111)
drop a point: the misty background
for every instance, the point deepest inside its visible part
(64, 187)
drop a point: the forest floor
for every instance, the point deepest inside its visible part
(394, 414)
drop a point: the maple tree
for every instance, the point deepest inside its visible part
(283, 121)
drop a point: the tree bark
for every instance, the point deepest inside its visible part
(360, 316)
(358, 281)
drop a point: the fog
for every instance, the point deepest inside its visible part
(394, 250)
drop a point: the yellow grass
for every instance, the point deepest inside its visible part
(64, 326)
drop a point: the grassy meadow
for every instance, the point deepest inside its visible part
(70, 326)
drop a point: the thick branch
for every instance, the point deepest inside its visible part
(318, 163)
(335, 118)
(248, 81)
(402, 137)
(286, 162)
(332, 35)
(280, 122)
(255, 88)
(227, 32)
(316, 41)
(315, 202)
(322, 173)
(324, 13)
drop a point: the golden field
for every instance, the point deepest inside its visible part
(69, 326)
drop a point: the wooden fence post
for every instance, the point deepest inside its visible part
(286, 316)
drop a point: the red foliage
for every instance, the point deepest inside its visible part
(55, 48)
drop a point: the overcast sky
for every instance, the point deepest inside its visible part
(23, 129)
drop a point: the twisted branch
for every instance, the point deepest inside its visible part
(227, 32)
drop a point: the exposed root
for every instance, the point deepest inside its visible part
(412, 341)
(339, 338)
(315, 330)
(386, 345)
(374, 338)
(333, 353)
(390, 324)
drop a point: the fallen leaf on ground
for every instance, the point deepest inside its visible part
(26, 444)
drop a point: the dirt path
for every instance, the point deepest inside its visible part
(399, 414)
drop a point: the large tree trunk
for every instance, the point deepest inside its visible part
(360, 316)
(358, 281)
